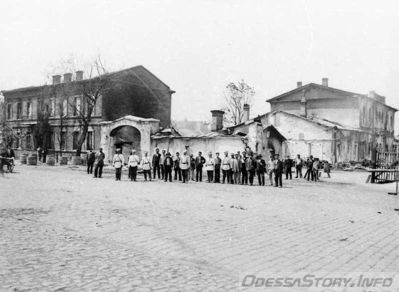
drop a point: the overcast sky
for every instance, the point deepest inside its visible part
(197, 47)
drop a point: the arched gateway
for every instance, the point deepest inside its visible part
(127, 133)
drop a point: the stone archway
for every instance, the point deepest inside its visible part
(143, 128)
(125, 138)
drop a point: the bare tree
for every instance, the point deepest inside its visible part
(87, 93)
(90, 91)
(236, 95)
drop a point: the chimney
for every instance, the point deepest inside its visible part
(299, 84)
(56, 79)
(324, 81)
(372, 94)
(217, 120)
(67, 77)
(79, 75)
(246, 112)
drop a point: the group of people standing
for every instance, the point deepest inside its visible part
(232, 168)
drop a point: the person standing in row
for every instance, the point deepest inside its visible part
(260, 170)
(226, 167)
(298, 166)
(309, 168)
(98, 170)
(315, 169)
(161, 163)
(155, 163)
(199, 163)
(218, 163)
(250, 165)
(185, 166)
(168, 164)
(244, 171)
(91, 158)
(146, 165)
(176, 166)
(192, 167)
(210, 167)
(133, 163)
(118, 162)
(288, 163)
(270, 169)
(235, 171)
(239, 163)
(278, 171)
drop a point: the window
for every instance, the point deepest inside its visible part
(9, 111)
(89, 140)
(63, 141)
(64, 109)
(19, 110)
(76, 106)
(75, 137)
(52, 107)
(29, 110)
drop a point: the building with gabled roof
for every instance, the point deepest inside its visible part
(135, 99)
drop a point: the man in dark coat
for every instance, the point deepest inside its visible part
(199, 163)
(176, 166)
(288, 164)
(278, 171)
(155, 163)
(167, 165)
(250, 166)
(11, 155)
(98, 170)
(91, 157)
(218, 163)
(244, 172)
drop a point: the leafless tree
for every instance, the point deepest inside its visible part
(90, 90)
(236, 95)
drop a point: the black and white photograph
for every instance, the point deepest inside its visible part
(199, 145)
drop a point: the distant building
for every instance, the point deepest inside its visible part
(135, 105)
(325, 122)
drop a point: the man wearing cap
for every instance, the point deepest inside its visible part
(185, 166)
(250, 165)
(118, 162)
(133, 163)
(218, 163)
(260, 170)
(98, 170)
(176, 166)
(210, 167)
(199, 163)
(161, 163)
(278, 171)
(244, 172)
(146, 165)
(155, 163)
(226, 168)
(168, 164)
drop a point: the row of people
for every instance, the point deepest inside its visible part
(233, 168)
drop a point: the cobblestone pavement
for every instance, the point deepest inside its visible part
(62, 230)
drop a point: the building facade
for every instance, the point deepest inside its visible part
(133, 99)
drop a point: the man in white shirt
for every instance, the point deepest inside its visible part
(133, 163)
(146, 165)
(226, 168)
(184, 166)
(270, 169)
(210, 167)
(118, 162)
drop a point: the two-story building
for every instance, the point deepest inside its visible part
(133, 106)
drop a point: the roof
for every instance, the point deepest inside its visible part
(131, 118)
(141, 73)
(321, 122)
(328, 88)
